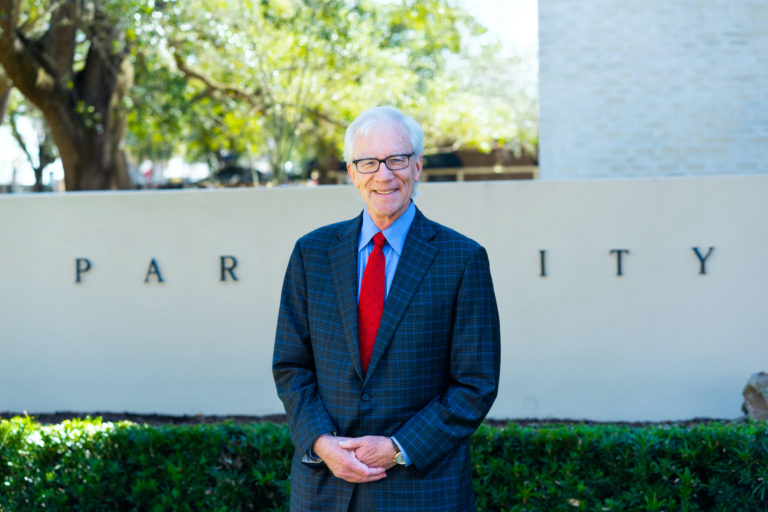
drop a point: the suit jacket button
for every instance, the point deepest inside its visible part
(366, 397)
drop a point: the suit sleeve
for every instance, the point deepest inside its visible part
(293, 365)
(450, 418)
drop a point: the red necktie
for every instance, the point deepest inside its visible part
(371, 303)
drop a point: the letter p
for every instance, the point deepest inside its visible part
(82, 265)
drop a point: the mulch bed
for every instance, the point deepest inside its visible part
(197, 419)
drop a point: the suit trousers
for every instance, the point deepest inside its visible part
(361, 499)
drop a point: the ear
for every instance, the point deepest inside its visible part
(352, 174)
(419, 162)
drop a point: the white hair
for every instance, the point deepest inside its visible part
(373, 116)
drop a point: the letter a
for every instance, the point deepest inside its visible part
(153, 269)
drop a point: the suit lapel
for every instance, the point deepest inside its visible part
(343, 259)
(417, 257)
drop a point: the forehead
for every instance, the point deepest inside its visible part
(381, 140)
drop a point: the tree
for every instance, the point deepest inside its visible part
(5, 95)
(482, 102)
(281, 78)
(45, 149)
(67, 57)
(277, 78)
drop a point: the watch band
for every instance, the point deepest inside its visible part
(399, 457)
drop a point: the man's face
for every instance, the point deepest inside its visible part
(386, 193)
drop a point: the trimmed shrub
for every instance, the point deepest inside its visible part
(707, 467)
(88, 465)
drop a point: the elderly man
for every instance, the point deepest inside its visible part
(387, 348)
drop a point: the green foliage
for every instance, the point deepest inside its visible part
(614, 468)
(88, 465)
(282, 79)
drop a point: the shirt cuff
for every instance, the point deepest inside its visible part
(311, 457)
(405, 455)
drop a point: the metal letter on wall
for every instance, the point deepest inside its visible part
(618, 253)
(228, 264)
(153, 269)
(82, 265)
(542, 259)
(703, 259)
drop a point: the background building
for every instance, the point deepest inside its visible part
(653, 88)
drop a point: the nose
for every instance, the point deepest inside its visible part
(383, 165)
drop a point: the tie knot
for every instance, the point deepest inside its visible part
(379, 240)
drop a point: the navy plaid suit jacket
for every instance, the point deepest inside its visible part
(433, 374)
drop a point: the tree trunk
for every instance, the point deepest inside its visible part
(86, 156)
(78, 104)
(96, 170)
(84, 151)
(5, 96)
(38, 186)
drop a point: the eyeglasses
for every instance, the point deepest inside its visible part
(371, 165)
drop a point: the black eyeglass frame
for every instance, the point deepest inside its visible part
(384, 161)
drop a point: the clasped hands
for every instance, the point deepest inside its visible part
(356, 459)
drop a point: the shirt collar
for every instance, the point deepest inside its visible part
(395, 234)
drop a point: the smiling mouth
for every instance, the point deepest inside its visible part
(386, 192)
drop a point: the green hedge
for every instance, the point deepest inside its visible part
(708, 467)
(87, 465)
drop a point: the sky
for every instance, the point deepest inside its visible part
(515, 22)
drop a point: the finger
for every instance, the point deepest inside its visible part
(354, 465)
(367, 476)
(376, 471)
(355, 473)
(367, 471)
(367, 457)
(374, 478)
(355, 479)
(351, 444)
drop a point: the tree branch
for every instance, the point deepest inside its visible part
(8, 22)
(5, 95)
(325, 117)
(214, 86)
(19, 138)
(23, 62)
(95, 83)
(59, 42)
(29, 23)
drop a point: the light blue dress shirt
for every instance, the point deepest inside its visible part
(395, 235)
(393, 249)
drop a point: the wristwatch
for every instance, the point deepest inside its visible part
(399, 457)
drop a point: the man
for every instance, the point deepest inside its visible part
(387, 348)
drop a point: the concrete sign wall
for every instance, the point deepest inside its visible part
(653, 88)
(158, 323)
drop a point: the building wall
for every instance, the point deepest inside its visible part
(644, 88)
(661, 341)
